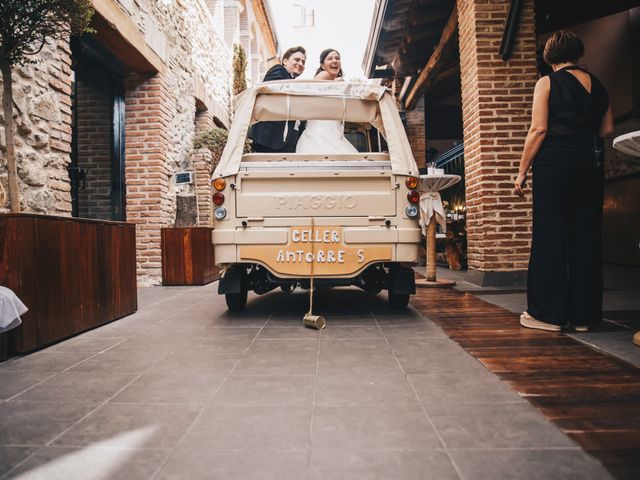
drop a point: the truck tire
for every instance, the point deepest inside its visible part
(236, 301)
(398, 301)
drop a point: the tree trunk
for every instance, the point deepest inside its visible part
(7, 108)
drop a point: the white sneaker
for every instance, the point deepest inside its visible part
(581, 328)
(528, 321)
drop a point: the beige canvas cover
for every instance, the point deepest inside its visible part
(320, 100)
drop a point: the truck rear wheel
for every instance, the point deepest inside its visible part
(236, 301)
(398, 301)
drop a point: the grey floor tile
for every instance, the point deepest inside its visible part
(222, 346)
(44, 361)
(506, 425)
(431, 355)
(78, 387)
(363, 346)
(372, 464)
(254, 464)
(12, 456)
(297, 363)
(33, 423)
(188, 388)
(526, 464)
(159, 426)
(372, 428)
(364, 389)
(266, 390)
(13, 382)
(122, 360)
(187, 361)
(86, 344)
(93, 462)
(250, 427)
(358, 363)
(426, 329)
(296, 331)
(452, 387)
(272, 346)
(366, 332)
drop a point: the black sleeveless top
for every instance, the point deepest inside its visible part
(575, 115)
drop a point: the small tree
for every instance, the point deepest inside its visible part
(25, 26)
(239, 68)
(215, 140)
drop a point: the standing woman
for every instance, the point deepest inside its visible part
(570, 115)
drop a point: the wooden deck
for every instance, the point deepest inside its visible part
(592, 396)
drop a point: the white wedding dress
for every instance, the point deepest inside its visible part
(322, 137)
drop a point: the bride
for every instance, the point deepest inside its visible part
(323, 137)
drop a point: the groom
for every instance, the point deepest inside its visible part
(268, 136)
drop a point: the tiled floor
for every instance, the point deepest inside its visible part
(183, 389)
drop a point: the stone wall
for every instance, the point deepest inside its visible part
(42, 112)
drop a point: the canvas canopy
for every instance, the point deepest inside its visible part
(320, 100)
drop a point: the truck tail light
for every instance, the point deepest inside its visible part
(413, 196)
(218, 198)
(411, 183)
(219, 184)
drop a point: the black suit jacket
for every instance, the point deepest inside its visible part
(269, 134)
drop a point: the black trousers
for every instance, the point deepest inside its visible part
(564, 282)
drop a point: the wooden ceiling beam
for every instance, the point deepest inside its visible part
(445, 39)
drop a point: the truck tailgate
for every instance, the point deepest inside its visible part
(331, 193)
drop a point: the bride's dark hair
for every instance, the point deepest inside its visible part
(323, 57)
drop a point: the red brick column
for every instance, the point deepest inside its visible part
(416, 132)
(146, 173)
(202, 161)
(496, 110)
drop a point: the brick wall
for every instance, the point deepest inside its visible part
(147, 173)
(203, 164)
(94, 107)
(496, 108)
(416, 132)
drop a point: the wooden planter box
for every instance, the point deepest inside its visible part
(73, 275)
(187, 256)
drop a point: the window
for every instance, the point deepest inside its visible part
(303, 16)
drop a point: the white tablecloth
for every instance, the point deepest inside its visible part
(430, 200)
(10, 309)
(628, 143)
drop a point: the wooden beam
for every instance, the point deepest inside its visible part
(447, 34)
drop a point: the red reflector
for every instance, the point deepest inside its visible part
(413, 196)
(218, 198)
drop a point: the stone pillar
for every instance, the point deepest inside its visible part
(496, 110)
(416, 132)
(232, 10)
(147, 175)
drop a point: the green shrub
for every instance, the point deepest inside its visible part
(215, 140)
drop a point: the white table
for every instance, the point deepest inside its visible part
(628, 143)
(432, 212)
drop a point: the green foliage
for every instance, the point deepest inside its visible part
(239, 68)
(215, 140)
(25, 25)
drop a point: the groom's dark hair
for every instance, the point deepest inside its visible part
(293, 50)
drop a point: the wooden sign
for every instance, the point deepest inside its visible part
(323, 247)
